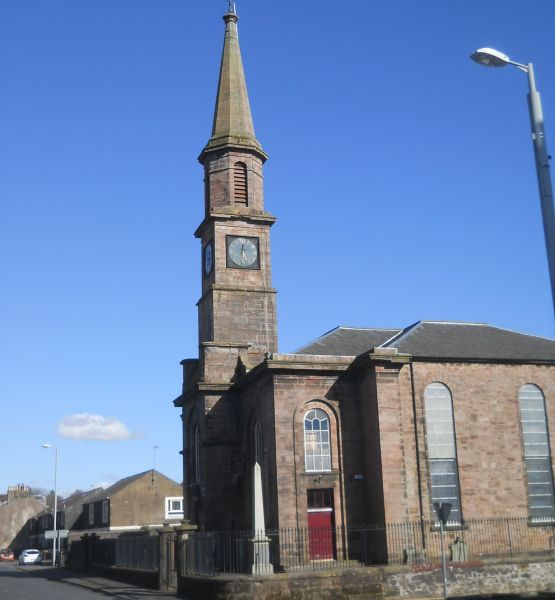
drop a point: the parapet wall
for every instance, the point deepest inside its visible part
(418, 581)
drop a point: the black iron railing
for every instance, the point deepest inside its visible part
(139, 552)
(419, 542)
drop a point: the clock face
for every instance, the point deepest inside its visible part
(208, 257)
(242, 252)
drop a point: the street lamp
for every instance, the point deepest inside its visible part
(493, 58)
(55, 499)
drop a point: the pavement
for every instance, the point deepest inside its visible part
(126, 591)
(102, 585)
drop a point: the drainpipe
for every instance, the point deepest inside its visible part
(418, 473)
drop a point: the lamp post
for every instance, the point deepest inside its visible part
(55, 499)
(493, 58)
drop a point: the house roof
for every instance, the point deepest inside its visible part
(73, 505)
(102, 493)
(438, 339)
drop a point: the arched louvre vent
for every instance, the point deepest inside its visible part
(207, 191)
(240, 183)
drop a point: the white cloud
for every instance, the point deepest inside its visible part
(85, 426)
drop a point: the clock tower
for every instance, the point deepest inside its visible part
(237, 306)
(237, 313)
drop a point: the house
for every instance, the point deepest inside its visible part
(16, 511)
(148, 499)
(69, 512)
(362, 425)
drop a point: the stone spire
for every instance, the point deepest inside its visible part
(233, 125)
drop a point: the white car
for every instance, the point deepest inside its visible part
(30, 557)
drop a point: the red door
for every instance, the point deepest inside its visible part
(320, 534)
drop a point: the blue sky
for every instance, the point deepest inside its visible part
(401, 173)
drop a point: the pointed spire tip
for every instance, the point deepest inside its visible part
(232, 126)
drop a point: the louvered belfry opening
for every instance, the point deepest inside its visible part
(240, 191)
(206, 190)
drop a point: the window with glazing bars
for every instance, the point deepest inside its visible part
(317, 441)
(105, 511)
(442, 451)
(537, 453)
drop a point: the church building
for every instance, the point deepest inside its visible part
(361, 426)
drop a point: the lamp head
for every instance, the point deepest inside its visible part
(48, 445)
(490, 57)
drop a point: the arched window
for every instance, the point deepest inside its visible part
(317, 441)
(537, 453)
(196, 455)
(240, 187)
(258, 449)
(442, 449)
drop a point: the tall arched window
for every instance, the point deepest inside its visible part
(537, 453)
(240, 187)
(258, 451)
(196, 455)
(442, 449)
(317, 441)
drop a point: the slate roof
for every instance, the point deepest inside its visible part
(432, 339)
(73, 506)
(438, 340)
(101, 493)
(348, 341)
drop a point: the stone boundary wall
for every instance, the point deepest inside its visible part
(138, 577)
(417, 581)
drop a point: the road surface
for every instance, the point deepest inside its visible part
(34, 582)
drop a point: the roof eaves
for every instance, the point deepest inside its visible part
(482, 360)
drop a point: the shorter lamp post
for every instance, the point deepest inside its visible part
(493, 58)
(55, 500)
(443, 510)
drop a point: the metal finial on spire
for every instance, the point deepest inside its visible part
(231, 8)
